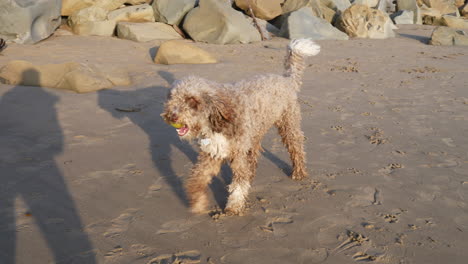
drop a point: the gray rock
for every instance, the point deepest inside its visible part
(215, 21)
(303, 24)
(142, 32)
(29, 21)
(448, 36)
(403, 17)
(411, 5)
(172, 11)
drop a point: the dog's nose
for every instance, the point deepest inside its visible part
(174, 117)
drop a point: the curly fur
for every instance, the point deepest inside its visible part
(230, 120)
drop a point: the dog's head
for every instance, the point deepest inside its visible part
(194, 108)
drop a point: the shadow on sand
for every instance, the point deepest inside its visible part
(30, 138)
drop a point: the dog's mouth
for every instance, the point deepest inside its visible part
(182, 129)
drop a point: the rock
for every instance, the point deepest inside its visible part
(71, 6)
(459, 3)
(91, 21)
(338, 5)
(403, 17)
(142, 32)
(137, 13)
(172, 11)
(364, 22)
(266, 28)
(411, 5)
(326, 9)
(29, 21)
(464, 10)
(454, 22)
(263, 9)
(443, 6)
(137, 2)
(448, 37)
(180, 52)
(369, 3)
(303, 24)
(215, 21)
(73, 76)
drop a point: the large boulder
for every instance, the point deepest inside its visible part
(180, 52)
(91, 21)
(172, 11)
(137, 13)
(364, 22)
(411, 5)
(143, 32)
(26, 21)
(263, 9)
(304, 24)
(448, 36)
(215, 21)
(443, 6)
(73, 76)
(454, 22)
(336, 5)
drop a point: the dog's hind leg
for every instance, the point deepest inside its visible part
(289, 127)
(202, 174)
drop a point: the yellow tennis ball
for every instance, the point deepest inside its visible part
(177, 125)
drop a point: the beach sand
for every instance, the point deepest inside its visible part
(98, 177)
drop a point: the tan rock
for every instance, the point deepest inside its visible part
(71, 6)
(142, 32)
(464, 11)
(180, 52)
(137, 13)
(91, 21)
(362, 21)
(443, 6)
(73, 76)
(455, 22)
(264, 9)
(369, 3)
(448, 36)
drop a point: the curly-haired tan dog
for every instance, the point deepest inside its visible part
(230, 120)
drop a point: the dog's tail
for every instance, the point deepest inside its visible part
(298, 50)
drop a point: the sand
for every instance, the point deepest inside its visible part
(386, 127)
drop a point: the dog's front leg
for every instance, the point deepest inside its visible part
(202, 173)
(240, 185)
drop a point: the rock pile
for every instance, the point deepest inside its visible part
(226, 21)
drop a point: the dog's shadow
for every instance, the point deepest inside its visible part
(143, 107)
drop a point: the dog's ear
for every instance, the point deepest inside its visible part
(222, 113)
(192, 102)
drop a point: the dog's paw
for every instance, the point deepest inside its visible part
(299, 175)
(231, 211)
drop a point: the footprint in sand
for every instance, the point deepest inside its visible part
(186, 257)
(276, 225)
(121, 223)
(119, 255)
(125, 171)
(177, 226)
(365, 196)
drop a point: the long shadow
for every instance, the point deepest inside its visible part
(162, 137)
(30, 138)
(422, 39)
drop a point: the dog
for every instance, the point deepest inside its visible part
(229, 121)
